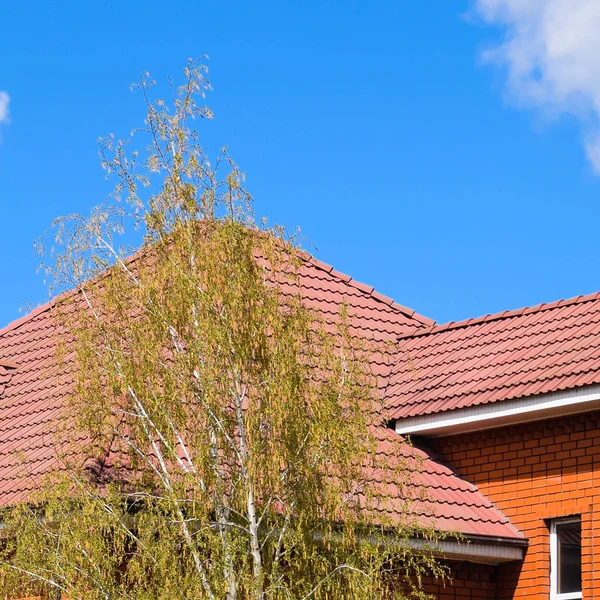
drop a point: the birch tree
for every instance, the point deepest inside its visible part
(224, 433)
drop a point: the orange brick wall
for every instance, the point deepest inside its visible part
(469, 582)
(535, 472)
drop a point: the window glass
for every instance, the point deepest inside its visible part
(568, 540)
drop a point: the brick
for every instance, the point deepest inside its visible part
(556, 478)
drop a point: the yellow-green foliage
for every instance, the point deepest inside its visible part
(234, 428)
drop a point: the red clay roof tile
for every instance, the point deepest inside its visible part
(32, 401)
(545, 348)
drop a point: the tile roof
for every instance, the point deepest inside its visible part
(30, 404)
(450, 503)
(513, 354)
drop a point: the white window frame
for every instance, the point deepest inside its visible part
(554, 595)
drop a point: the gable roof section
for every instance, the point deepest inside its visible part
(31, 400)
(509, 355)
(379, 316)
(452, 503)
(31, 403)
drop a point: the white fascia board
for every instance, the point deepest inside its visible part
(505, 412)
(471, 551)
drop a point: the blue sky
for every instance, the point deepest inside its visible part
(455, 180)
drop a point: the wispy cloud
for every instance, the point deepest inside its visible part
(551, 49)
(4, 102)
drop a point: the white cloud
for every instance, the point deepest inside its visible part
(551, 49)
(4, 102)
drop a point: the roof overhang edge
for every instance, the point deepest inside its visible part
(481, 552)
(505, 412)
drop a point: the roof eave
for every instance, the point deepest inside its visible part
(499, 414)
(493, 551)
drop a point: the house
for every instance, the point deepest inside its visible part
(511, 402)
(504, 412)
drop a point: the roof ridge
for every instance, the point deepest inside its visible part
(506, 314)
(368, 289)
(12, 325)
(319, 264)
(475, 341)
(447, 352)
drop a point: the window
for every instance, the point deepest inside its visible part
(565, 559)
